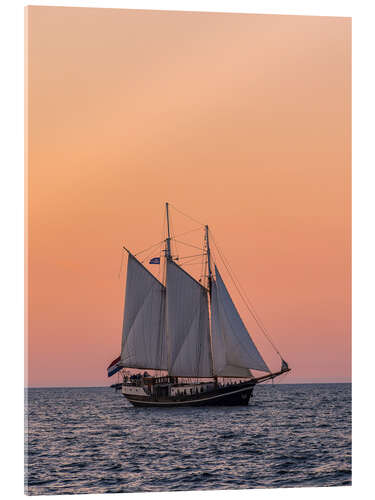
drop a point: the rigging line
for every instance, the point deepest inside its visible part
(187, 244)
(238, 286)
(187, 232)
(174, 248)
(152, 253)
(191, 258)
(148, 256)
(188, 256)
(192, 264)
(251, 308)
(246, 301)
(148, 248)
(185, 215)
(190, 261)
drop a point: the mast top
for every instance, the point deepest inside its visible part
(208, 259)
(168, 240)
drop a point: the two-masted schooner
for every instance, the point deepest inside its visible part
(188, 331)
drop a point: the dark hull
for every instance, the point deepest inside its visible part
(235, 395)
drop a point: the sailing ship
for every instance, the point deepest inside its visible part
(189, 332)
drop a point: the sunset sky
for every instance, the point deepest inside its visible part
(241, 121)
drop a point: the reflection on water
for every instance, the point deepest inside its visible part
(91, 440)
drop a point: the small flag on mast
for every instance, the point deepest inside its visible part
(155, 260)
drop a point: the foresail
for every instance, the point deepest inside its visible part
(143, 333)
(217, 333)
(221, 367)
(187, 325)
(232, 345)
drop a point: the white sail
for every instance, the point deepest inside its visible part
(234, 352)
(187, 325)
(235, 371)
(143, 333)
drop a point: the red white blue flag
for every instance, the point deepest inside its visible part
(114, 367)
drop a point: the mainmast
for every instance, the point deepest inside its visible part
(209, 297)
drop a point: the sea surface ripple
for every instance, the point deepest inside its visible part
(91, 440)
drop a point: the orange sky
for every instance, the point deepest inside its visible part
(242, 121)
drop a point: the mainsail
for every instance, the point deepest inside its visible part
(234, 352)
(143, 334)
(187, 325)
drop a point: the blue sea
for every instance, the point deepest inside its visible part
(91, 440)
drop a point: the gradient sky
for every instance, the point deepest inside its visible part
(242, 121)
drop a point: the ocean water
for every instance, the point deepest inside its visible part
(91, 440)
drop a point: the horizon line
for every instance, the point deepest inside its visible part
(109, 386)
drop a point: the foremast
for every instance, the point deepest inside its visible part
(168, 240)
